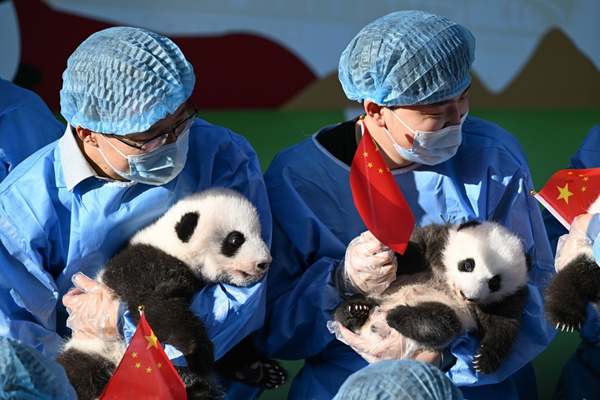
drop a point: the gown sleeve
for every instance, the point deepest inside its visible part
(313, 222)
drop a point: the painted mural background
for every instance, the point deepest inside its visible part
(261, 54)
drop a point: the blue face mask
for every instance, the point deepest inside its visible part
(159, 166)
(431, 148)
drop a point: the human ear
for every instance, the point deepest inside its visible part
(86, 136)
(375, 112)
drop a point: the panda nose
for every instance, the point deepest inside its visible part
(262, 266)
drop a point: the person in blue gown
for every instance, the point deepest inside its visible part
(580, 376)
(410, 71)
(133, 147)
(26, 125)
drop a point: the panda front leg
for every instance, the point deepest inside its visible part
(433, 325)
(354, 313)
(498, 328)
(570, 291)
(174, 323)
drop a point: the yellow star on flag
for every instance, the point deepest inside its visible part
(564, 193)
(152, 339)
(159, 365)
(134, 354)
(381, 170)
(586, 179)
(365, 154)
(370, 165)
(583, 188)
(138, 365)
(148, 369)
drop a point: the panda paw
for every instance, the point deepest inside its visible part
(266, 373)
(354, 313)
(487, 360)
(566, 314)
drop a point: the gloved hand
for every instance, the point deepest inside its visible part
(387, 344)
(574, 243)
(93, 309)
(369, 264)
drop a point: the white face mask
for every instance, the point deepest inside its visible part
(159, 166)
(431, 148)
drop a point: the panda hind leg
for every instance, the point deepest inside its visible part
(199, 388)
(569, 293)
(88, 373)
(433, 325)
(354, 313)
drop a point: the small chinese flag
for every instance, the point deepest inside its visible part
(378, 198)
(569, 193)
(145, 372)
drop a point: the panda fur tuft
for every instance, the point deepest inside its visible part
(451, 279)
(574, 287)
(210, 237)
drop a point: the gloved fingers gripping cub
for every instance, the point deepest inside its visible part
(369, 265)
(574, 243)
(93, 309)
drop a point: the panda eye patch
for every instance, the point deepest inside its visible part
(467, 265)
(233, 241)
(494, 283)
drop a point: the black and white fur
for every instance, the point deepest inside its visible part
(574, 287)
(451, 279)
(206, 238)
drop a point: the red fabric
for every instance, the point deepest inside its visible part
(570, 192)
(378, 198)
(145, 372)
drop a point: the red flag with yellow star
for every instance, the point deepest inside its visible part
(145, 372)
(378, 198)
(569, 193)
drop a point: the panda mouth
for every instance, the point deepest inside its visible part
(250, 276)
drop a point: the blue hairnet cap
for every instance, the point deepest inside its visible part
(408, 58)
(123, 80)
(27, 374)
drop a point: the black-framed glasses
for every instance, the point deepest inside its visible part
(161, 138)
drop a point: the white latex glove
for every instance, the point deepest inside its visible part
(93, 309)
(574, 243)
(369, 264)
(388, 344)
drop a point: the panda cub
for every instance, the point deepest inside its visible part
(451, 278)
(210, 237)
(574, 287)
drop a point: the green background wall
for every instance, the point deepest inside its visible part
(549, 136)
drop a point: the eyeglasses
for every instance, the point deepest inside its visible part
(160, 139)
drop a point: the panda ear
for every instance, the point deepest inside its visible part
(468, 224)
(186, 226)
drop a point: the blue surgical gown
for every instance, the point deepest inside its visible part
(314, 219)
(580, 377)
(26, 125)
(48, 233)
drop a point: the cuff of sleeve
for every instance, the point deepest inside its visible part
(344, 286)
(593, 228)
(121, 318)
